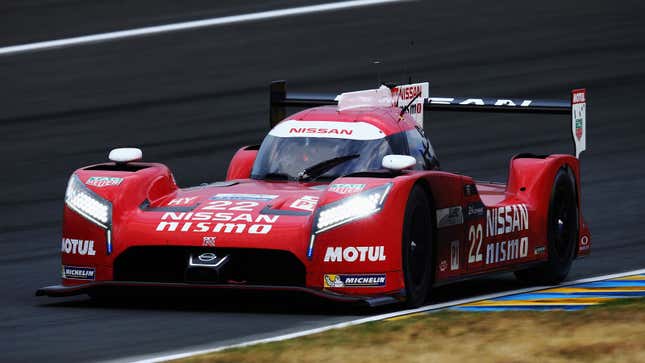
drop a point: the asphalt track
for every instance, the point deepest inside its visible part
(189, 99)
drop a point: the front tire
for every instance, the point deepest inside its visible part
(417, 247)
(562, 233)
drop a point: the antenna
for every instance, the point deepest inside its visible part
(377, 64)
(408, 71)
(406, 107)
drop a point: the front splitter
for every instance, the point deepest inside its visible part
(61, 291)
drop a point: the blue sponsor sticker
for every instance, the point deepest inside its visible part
(231, 196)
(79, 273)
(363, 280)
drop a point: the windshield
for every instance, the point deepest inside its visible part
(287, 157)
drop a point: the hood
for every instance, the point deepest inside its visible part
(245, 196)
(235, 214)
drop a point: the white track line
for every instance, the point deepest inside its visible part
(226, 20)
(171, 356)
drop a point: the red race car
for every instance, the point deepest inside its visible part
(344, 200)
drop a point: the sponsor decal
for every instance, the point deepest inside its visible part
(470, 189)
(327, 129)
(407, 92)
(579, 97)
(182, 202)
(318, 187)
(352, 254)
(506, 219)
(479, 101)
(500, 221)
(578, 119)
(361, 280)
(578, 126)
(454, 255)
(306, 202)
(320, 130)
(346, 188)
(219, 216)
(584, 243)
(404, 94)
(79, 273)
(475, 210)
(208, 241)
(500, 251)
(539, 250)
(103, 181)
(504, 251)
(232, 196)
(77, 247)
(223, 222)
(451, 216)
(443, 265)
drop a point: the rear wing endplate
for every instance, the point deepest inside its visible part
(575, 106)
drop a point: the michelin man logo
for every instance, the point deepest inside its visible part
(333, 281)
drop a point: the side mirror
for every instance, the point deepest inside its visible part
(398, 162)
(125, 155)
(242, 163)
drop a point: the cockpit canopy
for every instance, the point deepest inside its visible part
(326, 150)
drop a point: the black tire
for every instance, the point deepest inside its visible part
(418, 247)
(562, 233)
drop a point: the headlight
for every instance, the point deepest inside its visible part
(350, 209)
(87, 203)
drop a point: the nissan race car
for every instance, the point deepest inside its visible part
(344, 201)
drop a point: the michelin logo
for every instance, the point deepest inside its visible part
(371, 280)
(79, 273)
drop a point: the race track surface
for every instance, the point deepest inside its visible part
(190, 99)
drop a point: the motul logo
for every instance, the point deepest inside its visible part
(316, 130)
(78, 247)
(352, 254)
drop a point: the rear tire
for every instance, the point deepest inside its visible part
(417, 247)
(562, 233)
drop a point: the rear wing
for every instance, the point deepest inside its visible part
(575, 106)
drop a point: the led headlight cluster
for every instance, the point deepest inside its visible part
(87, 203)
(352, 208)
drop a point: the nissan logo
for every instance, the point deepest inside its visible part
(207, 257)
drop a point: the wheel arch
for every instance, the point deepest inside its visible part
(531, 178)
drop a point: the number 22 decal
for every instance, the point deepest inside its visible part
(228, 205)
(475, 236)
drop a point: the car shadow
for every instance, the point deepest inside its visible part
(254, 302)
